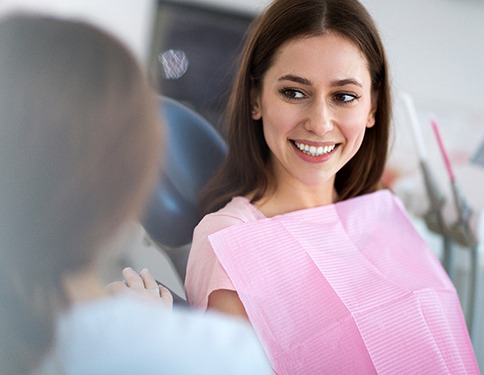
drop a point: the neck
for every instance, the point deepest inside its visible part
(286, 198)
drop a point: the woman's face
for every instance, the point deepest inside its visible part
(315, 104)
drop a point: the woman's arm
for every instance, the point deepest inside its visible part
(227, 302)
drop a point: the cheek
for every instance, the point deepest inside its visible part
(355, 123)
(354, 132)
(278, 121)
(273, 132)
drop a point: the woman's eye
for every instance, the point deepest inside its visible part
(292, 94)
(345, 97)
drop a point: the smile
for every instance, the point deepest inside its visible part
(313, 150)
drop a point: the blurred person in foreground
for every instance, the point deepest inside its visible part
(80, 144)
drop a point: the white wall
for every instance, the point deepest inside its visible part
(435, 49)
(131, 21)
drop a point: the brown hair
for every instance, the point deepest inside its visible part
(245, 170)
(79, 150)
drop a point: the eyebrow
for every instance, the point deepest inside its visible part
(335, 83)
(297, 79)
(347, 81)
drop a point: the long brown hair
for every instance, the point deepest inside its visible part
(79, 150)
(245, 169)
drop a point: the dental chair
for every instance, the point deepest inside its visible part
(193, 152)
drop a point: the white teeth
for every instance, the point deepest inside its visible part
(314, 151)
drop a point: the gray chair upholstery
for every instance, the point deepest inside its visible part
(193, 152)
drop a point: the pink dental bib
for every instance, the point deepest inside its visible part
(349, 288)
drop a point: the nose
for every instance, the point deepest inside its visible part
(318, 119)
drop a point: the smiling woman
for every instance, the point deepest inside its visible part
(320, 101)
(271, 34)
(297, 239)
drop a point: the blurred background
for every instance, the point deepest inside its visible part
(436, 58)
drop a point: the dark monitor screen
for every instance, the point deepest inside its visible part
(196, 53)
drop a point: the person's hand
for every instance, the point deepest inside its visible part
(143, 285)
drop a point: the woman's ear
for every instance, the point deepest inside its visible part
(374, 106)
(255, 107)
(371, 118)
